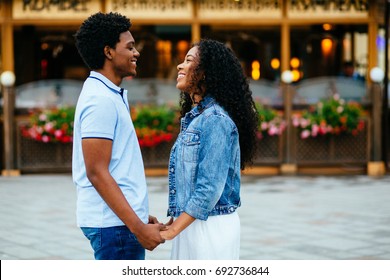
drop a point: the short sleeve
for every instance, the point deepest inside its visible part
(98, 119)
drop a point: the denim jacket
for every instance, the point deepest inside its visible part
(204, 164)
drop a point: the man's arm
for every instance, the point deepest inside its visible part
(97, 156)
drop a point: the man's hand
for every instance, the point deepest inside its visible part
(149, 236)
(153, 220)
(166, 225)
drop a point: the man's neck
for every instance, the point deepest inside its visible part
(111, 76)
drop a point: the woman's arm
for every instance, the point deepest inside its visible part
(183, 221)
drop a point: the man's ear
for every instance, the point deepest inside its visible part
(107, 52)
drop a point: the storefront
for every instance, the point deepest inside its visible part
(312, 38)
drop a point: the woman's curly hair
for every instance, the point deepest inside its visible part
(220, 75)
(96, 32)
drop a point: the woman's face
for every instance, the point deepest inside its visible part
(185, 70)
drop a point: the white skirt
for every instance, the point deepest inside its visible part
(218, 238)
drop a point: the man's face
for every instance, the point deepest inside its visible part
(125, 56)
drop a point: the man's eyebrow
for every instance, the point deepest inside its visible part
(188, 55)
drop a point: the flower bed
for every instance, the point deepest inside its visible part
(331, 132)
(50, 125)
(270, 130)
(332, 116)
(46, 137)
(271, 122)
(154, 124)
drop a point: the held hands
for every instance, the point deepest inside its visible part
(149, 236)
(153, 220)
(172, 229)
(167, 232)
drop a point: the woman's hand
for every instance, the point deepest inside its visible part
(167, 233)
(172, 229)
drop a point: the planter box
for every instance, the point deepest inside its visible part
(157, 156)
(37, 156)
(269, 150)
(333, 149)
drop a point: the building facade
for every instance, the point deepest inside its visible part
(310, 37)
(314, 39)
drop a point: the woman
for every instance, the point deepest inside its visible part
(217, 140)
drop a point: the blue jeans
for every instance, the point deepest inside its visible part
(114, 243)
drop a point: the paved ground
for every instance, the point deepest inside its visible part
(282, 218)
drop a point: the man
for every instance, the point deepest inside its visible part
(348, 71)
(107, 168)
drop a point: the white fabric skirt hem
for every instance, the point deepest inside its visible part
(218, 238)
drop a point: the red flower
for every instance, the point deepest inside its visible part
(51, 125)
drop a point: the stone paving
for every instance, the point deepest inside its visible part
(282, 218)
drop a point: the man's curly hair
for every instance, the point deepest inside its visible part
(220, 75)
(96, 32)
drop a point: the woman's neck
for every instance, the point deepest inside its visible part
(196, 98)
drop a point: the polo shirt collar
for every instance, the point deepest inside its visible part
(106, 81)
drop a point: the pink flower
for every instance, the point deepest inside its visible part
(295, 121)
(273, 130)
(58, 133)
(49, 126)
(39, 129)
(314, 130)
(45, 138)
(304, 123)
(42, 117)
(305, 134)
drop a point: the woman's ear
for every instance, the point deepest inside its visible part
(107, 52)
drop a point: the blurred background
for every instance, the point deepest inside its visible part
(297, 54)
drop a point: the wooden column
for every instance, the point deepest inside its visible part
(375, 166)
(285, 52)
(195, 26)
(289, 167)
(195, 32)
(7, 40)
(9, 132)
(7, 58)
(372, 48)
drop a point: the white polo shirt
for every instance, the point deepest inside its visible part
(102, 112)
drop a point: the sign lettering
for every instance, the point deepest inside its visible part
(60, 5)
(329, 5)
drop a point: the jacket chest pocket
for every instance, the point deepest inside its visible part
(191, 143)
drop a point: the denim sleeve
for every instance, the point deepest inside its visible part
(215, 155)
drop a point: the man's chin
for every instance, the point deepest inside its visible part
(131, 75)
